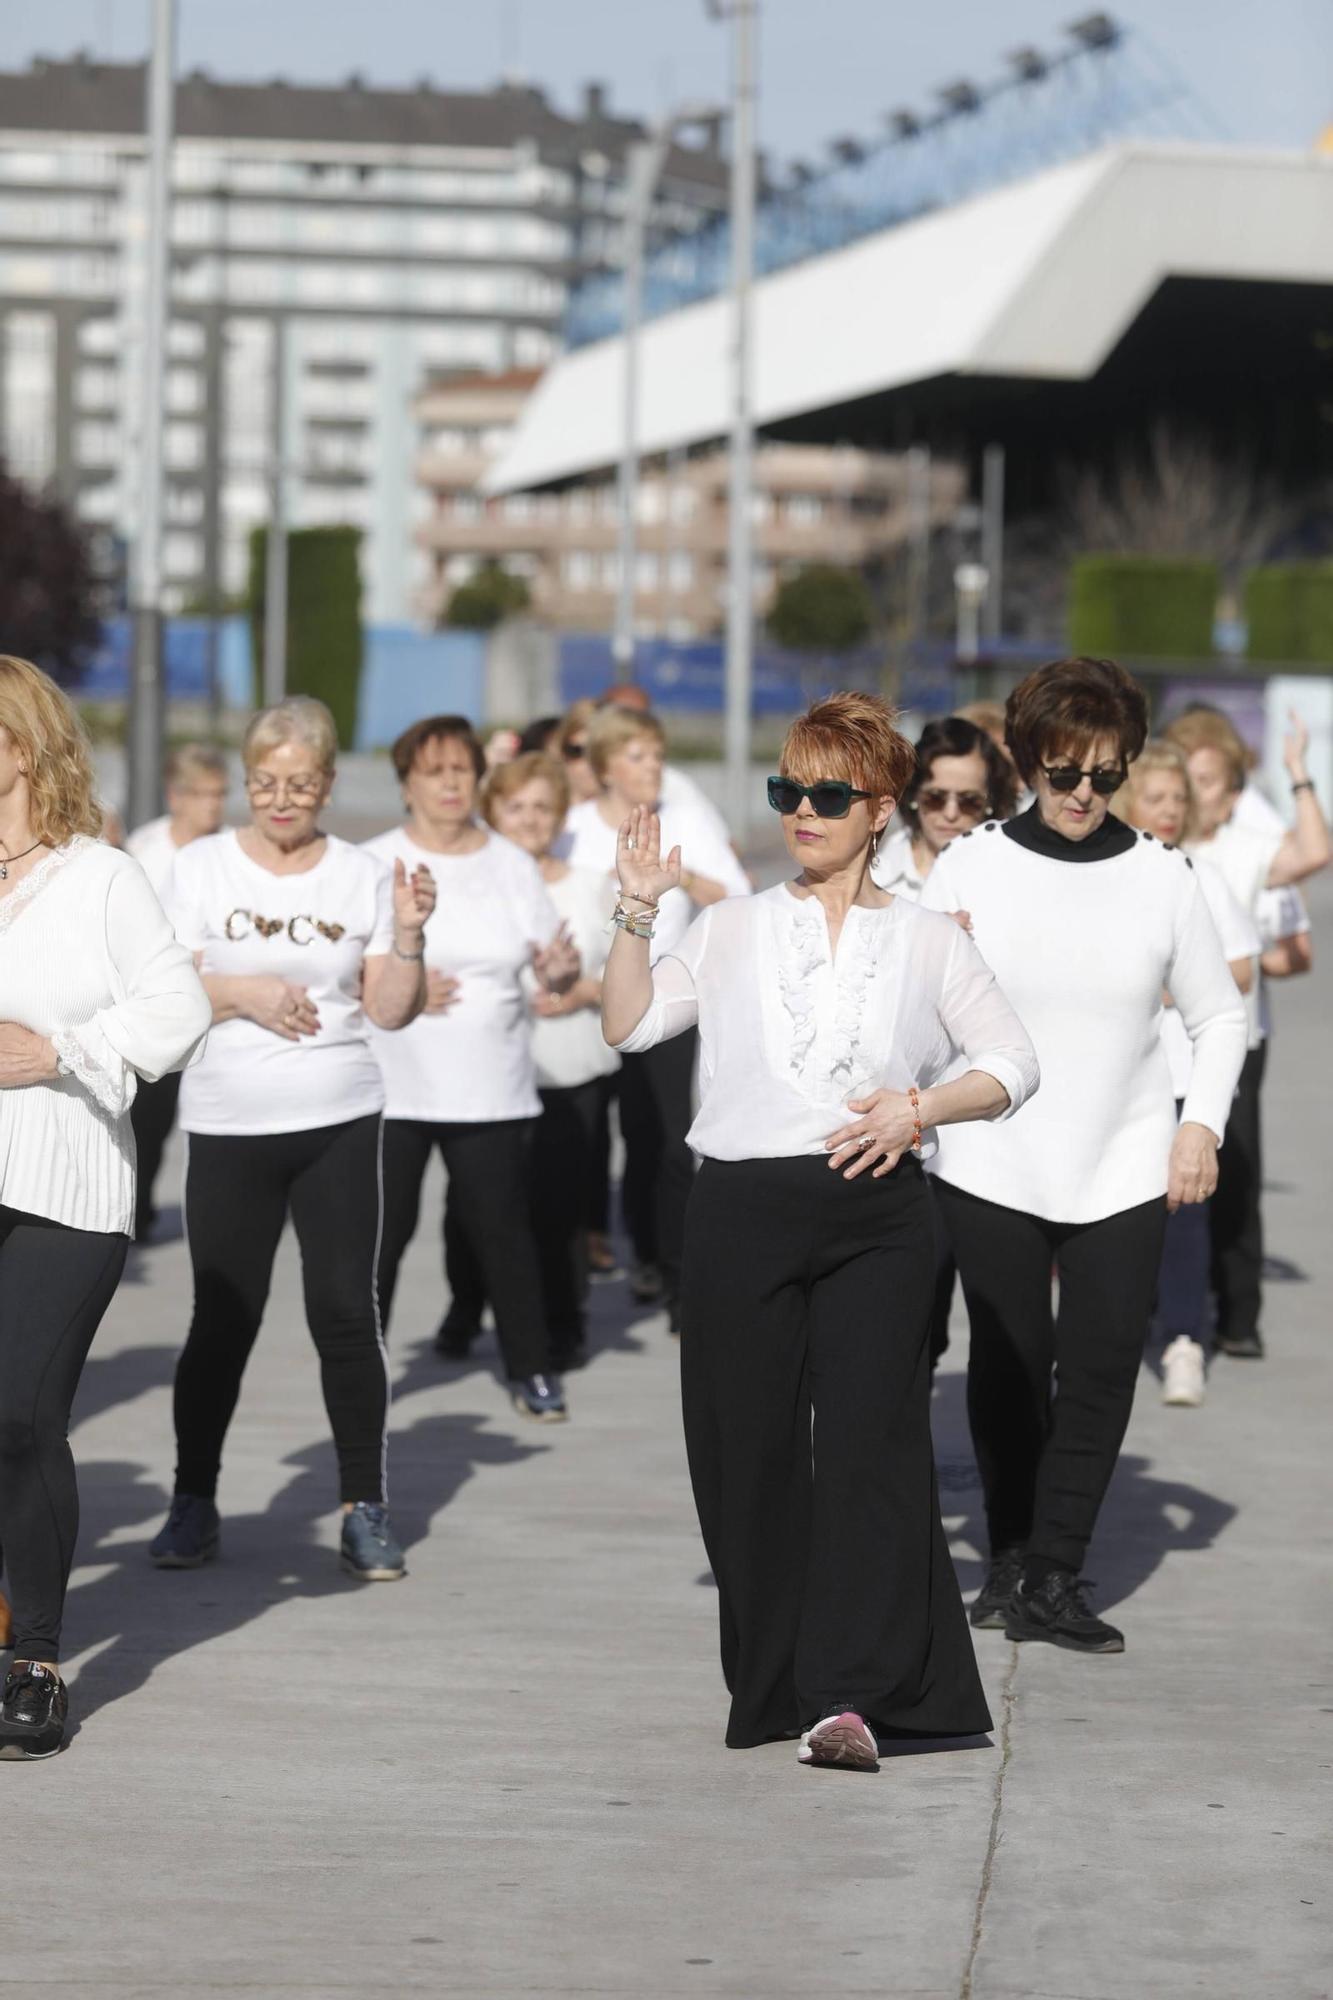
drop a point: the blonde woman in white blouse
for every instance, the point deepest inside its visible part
(829, 1014)
(95, 994)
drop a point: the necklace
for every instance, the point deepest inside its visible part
(6, 859)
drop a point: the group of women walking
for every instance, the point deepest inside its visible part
(994, 1042)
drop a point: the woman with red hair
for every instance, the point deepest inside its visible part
(829, 1012)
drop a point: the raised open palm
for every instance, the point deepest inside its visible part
(640, 868)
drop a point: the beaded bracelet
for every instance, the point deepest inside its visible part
(638, 923)
(914, 1099)
(1303, 785)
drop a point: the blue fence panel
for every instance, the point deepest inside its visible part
(185, 647)
(691, 676)
(407, 674)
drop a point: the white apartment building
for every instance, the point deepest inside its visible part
(331, 249)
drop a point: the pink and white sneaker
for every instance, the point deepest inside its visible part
(845, 1739)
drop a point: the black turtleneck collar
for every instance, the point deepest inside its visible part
(1030, 830)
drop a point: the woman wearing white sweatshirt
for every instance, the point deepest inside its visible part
(95, 994)
(1084, 922)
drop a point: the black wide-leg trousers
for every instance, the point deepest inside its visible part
(805, 1374)
(1046, 1461)
(1235, 1213)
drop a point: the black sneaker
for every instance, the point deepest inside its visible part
(1241, 1346)
(455, 1334)
(189, 1537)
(990, 1606)
(32, 1713)
(1058, 1612)
(645, 1284)
(539, 1397)
(369, 1548)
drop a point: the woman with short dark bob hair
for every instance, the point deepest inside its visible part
(829, 1015)
(1086, 923)
(960, 779)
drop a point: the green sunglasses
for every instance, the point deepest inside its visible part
(831, 797)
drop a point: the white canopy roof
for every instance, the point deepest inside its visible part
(1037, 279)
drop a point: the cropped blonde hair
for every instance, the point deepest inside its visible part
(1203, 728)
(506, 779)
(1159, 753)
(612, 728)
(299, 719)
(194, 760)
(44, 728)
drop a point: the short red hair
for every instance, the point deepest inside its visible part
(849, 736)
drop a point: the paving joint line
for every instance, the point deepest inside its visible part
(1008, 1698)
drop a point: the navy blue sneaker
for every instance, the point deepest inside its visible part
(33, 1711)
(190, 1537)
(541, 1398)
(369, 1550)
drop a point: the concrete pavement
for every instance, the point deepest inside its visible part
(505, 1775)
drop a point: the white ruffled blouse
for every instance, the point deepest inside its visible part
(789, 1033)
(88, 960)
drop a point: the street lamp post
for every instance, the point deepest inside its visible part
(146, 717)
(275, 544)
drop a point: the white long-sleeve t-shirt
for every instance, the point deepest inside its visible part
(88, 960)
(1084, 947)
(789, 1033)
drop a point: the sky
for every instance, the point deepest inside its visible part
(1262, 73)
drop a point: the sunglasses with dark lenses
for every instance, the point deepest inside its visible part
(934, 798)
(831, 797)
(1068, 778)
(573, 751)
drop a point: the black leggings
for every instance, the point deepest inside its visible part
(238, 1195)
(805, 1291)
(1046, 1462)
(55, 1285)
(1235, 1213)
(656, 1111)
(489, 1166)
(152, 1115)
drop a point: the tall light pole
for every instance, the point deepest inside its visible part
(146, 716)
(740, 533)
(275, 545)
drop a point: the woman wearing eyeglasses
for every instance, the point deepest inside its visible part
(302, 941)
(1086, 922)
(828, 1014)
(960, 779)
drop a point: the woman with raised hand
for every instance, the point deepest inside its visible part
(1086, 924)
(96, 996)
(303, 942)
(461, 1079)
(829, 1014)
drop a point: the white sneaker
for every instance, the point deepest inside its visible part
(840, 1739)
(1182, 1373)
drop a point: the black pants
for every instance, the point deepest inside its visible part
(656, 1111)
(55, 1285)
(152, 1115)
(803, 1291)
(490, 1198)
(597, 1198)
(1046, 1463)
(1236, 1211)
(238, 1195)
(1182, 1279)
(564, 1141)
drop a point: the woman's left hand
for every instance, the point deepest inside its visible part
(557, 964)
(413, 901)
(1192, 1175)
(1294, 746)
(881, 1135)
(25, 1057)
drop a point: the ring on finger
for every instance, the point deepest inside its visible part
(864, 1141)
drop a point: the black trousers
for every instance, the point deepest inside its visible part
(1046, 1462)
(1236, 1210)
(152, 1115)
(597, 1199)
(804, 1292)
(239, 1193)
(55, 1285)
(563, 1143)
(656, 1112)
(490, 1200)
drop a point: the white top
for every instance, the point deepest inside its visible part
(474, 1063)
(1279, 913)
(1242, 855)
(87, 959)
(1084, 951)
(155, 851)
(569, 1049)
(314, 929)
(1238, 938)
(680, 789)
(588, 842)
(894, 867)
(788, 1034)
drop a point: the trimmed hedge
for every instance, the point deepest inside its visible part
(1147, 607)
(822, 608)
(1289, 607)
(324, 633)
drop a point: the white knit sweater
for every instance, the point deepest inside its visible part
(88, 959)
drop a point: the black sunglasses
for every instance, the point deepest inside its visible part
(1068, 778)
(572, 751)
(831, 797)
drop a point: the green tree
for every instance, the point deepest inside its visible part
(324, 631)
(822, 609)
(487, 599)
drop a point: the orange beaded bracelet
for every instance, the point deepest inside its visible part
(914, 1099)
